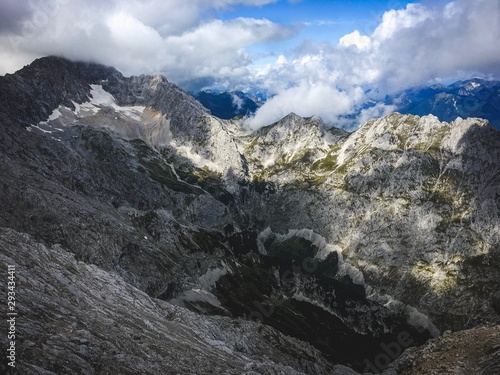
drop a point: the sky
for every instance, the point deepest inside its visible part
(314, 57)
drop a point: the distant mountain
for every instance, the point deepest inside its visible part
(227, 105)
(471, 98)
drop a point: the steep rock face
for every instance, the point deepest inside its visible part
(34, 92)
(332, 238)
(192, 133)
(472, 351)
(76, 318)
(291, 141)
(55, 91)
(110, 201)
(411, 201)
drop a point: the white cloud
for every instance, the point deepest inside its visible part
(409, 47)
(393, 21)
(308, 99)
(355, 39)
(176, 37)
(216, 49)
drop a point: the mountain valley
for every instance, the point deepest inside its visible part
(150, 236)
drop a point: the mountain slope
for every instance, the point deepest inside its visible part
(413, 203)
(111, 327)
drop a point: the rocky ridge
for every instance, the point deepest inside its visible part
(343, 241)
(471, 98)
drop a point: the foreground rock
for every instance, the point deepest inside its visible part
(344, 243)
(474, 351)
(75, 318)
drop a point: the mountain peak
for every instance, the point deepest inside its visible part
(292, 116)
(49, 81)
(53, 81)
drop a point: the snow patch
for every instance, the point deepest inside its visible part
(55, 115)
(261, 238)
(324, 248)
(208, 280)
(37, 127)
(100, 98)
(419, 320)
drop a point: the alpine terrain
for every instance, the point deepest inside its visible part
(471, 98)
(151, 237)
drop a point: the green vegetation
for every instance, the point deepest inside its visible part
(328, 163)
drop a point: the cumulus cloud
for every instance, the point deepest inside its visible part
(217, 48)
(411, 46)
(176, 37)
(355, 39)
(309, 99)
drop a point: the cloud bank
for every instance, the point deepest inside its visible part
(178, 38)
(411, 46)
(192, 46)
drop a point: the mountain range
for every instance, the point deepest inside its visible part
(471, 98)
(149, 236)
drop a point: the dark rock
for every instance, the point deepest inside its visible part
(495, 302)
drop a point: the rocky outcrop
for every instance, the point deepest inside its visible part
(473, 351)
(412, 202)
(31, 94)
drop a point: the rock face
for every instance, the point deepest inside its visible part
(296, 248)
(75, 318)
(473, 351)
(412, 202)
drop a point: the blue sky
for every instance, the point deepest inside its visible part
(320, 21)
(338, 17)
(315, 57)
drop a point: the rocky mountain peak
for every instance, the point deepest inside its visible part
(56, 81)
(32, 93)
